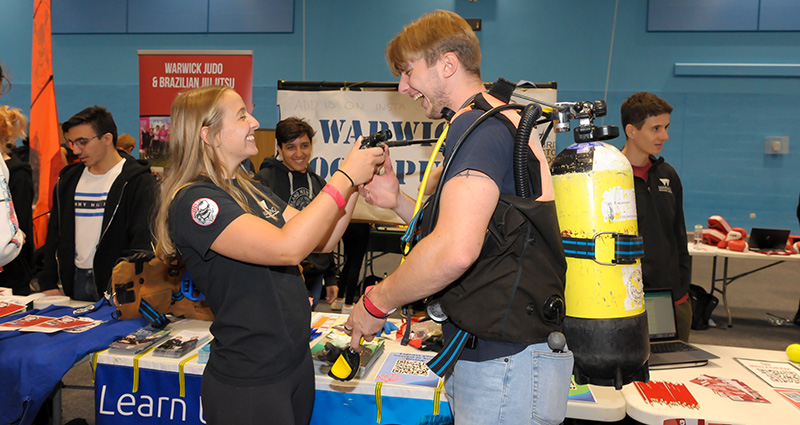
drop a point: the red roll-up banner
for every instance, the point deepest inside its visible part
(163, 74)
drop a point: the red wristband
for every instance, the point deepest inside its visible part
(336, 195)
(372, 309)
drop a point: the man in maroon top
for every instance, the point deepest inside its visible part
(659, 202)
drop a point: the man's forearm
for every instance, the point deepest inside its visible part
(405, 207)
(430, 267)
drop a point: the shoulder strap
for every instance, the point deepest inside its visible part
(503, 89)
(485, 102)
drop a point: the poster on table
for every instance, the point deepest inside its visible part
(339, 117)
(163, 74)
(776, 374)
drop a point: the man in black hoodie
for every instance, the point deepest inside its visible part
(293, 180)
(797, 315)
(659, 202)
(101, 209)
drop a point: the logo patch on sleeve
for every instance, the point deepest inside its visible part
(204, 211)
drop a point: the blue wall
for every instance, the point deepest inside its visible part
(718, 127)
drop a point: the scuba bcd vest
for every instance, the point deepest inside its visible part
(514, 292)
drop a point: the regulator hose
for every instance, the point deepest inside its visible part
(530, 113)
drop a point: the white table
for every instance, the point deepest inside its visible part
(609, 406)
(715, 409)
(726, 254)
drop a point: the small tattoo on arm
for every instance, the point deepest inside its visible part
(471, 173)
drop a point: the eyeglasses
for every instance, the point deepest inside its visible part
(81, 142)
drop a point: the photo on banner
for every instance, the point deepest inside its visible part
(154, 140)
(339, 115)
(163, 74)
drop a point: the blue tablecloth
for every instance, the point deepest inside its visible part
(32, 363)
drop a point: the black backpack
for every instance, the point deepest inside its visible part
(703, 304)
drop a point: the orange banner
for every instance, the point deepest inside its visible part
(44, 138)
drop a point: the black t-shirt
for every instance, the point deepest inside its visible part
(298, 189)
(488, 149)
(262, 316)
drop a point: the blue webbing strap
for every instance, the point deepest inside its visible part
(177, 296)
(156, 319)
(444, 362)
(412, 228)
(628, 248)
(578, 247)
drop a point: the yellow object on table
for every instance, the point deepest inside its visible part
(793, 351)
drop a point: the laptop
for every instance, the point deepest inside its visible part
(666, 350)
(765, 240)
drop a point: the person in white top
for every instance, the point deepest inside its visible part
(11, 237)
(101, 209)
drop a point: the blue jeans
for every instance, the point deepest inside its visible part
(530, 387)
(314, 285)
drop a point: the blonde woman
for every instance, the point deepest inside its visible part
(242, 244)
(17, 274)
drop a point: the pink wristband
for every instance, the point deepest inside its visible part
(373, 310)
(336, 195)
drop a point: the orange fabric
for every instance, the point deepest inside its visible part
(44, 138)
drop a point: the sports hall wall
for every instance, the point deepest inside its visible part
(718, 126)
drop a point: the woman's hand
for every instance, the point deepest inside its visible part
(361, 164)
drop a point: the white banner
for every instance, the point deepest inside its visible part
(339, 117)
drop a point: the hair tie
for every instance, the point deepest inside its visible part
(352, 183)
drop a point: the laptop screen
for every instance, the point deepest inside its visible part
(768, 239)
(660, 315)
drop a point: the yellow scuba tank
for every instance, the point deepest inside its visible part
(605, 324)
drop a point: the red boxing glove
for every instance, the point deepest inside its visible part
(734, 235)
(713, 236)
(741, 231)
(719, 223)
(739, 246)
(722, 244)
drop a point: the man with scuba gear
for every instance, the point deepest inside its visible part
(438, 60)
